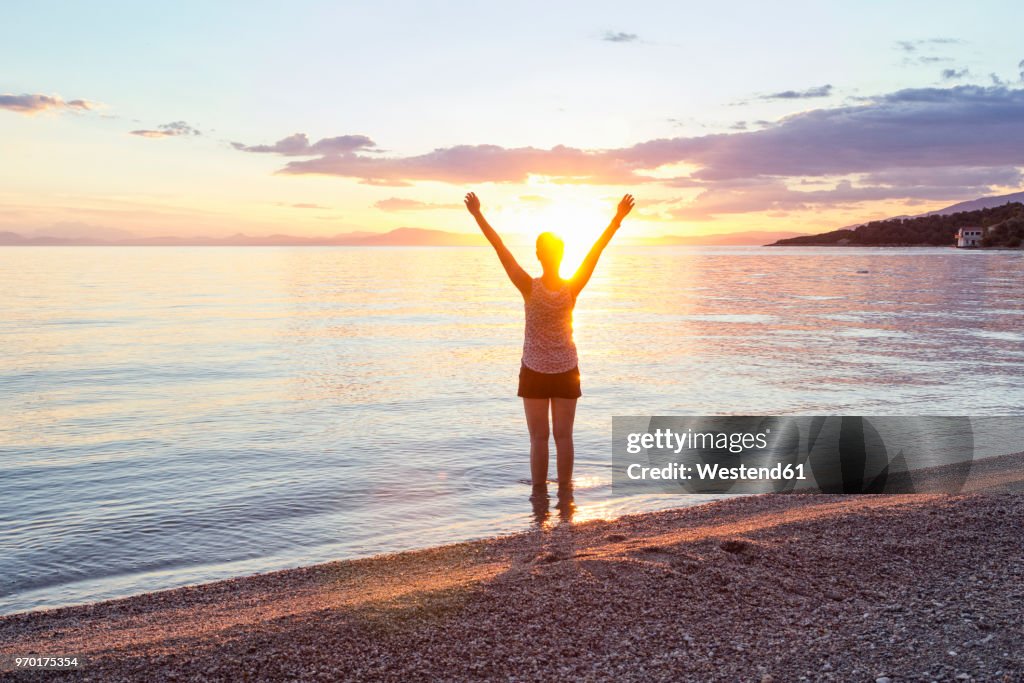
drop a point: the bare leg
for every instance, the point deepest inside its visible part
(537, 422)
(563, 413)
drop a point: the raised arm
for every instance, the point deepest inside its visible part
(519, 277)
(582, 276)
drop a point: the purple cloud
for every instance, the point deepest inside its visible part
(298, 145)
(33, 104)
(809, 93)
(470, 163)
(947, 176)
(775, 195)
(167, 130)
(935, 143)
(929, 127)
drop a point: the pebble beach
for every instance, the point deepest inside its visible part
(769, 588)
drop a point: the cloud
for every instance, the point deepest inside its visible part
(923, 52)
(915, 45)
(534, 199)
(467, 164)
(818, 91)
(33, 104)
(954, 74)
(298, 145)
(1020, 68)
(926, 127)
(932, 143)
(399, 204)
(620, 37)
(949, 177)
(167, 130)
(776, 195)
(305, 205)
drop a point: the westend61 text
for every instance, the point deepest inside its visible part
(708, 472)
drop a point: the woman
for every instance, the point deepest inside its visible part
(549, 379)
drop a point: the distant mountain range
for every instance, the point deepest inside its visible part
(73, 234)
(400, 237)
(975, 204)
(934, 228)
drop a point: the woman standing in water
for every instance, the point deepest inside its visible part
(549, 379)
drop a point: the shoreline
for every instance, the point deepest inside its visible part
(766, 588)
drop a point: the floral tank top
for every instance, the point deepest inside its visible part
(548, 345)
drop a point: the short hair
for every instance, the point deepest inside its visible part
(550, 241)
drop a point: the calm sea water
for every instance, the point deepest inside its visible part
(176, 415)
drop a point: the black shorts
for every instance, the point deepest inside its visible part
(533, 384)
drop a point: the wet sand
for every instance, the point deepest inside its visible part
(760, 588)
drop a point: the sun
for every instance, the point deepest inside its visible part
(577, 218)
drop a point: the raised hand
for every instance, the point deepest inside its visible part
(625, 206)
(515, 273)
(586, 269)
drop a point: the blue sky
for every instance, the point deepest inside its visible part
(417, 77)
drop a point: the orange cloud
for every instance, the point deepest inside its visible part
(399, 204)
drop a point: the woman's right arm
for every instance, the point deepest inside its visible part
(519, 277)
(586, 269)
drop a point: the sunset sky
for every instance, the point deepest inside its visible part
(317, 118)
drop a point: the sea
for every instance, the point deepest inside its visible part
(181, 415)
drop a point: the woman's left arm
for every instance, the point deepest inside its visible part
(582, 276)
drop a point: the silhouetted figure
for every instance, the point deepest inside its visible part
(549, 377)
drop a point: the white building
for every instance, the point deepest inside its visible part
(969, 237)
